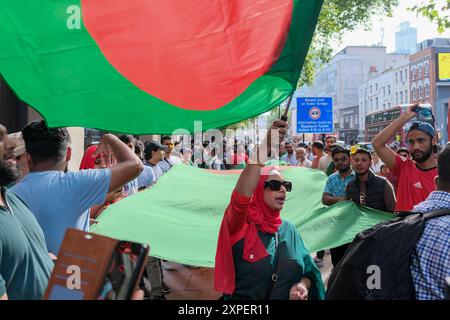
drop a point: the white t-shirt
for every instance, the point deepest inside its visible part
(305, 163)
(174, 160)
(324, 162)
(376, 168)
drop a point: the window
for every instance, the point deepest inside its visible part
(376, 87)
(396, 97)
(420, 92)
(427, 89)
(426, 68)
(401, 76)
(389, 89)
(376, 103)
(396, 77)
(371, 89)
(413, 73)
(401, 97)
(406, 96)
(419, 69)
(384, 91)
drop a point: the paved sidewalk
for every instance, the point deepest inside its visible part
(198, 284)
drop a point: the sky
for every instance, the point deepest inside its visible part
(425, 29)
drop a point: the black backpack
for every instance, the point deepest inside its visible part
(376, 266)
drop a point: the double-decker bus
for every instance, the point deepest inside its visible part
(377, 121)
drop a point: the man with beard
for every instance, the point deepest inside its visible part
(416, 176)
(289, 157)
(368, 189)
(25, 265)
(336, 185)
(335, 188)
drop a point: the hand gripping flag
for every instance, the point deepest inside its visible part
(153, 66)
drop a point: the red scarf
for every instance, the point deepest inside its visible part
(259, 217)
(88, 161)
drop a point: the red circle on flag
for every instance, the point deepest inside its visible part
(193, 54)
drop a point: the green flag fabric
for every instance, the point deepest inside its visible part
(180, 216)
(126, 65)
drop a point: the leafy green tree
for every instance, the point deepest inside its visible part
(336, 18)
(436, 11)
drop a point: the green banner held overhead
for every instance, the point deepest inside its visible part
(180, 216)
(152, 66)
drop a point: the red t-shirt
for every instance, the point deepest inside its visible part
(413, 184)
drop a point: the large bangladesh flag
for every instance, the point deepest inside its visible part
(152, 66)
(180, 216)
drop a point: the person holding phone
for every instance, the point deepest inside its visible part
(416, 175)
(259, 255)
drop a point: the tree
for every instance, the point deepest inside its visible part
(336, 18)
(435, 11)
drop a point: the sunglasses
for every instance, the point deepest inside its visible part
(275, 185)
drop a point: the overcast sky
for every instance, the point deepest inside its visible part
(425, 29)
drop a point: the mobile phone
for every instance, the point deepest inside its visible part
(124, 271)
(425, 113)
(95, 267)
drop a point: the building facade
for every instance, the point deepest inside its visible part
(382, 92)
(426, 87)
(340, 79)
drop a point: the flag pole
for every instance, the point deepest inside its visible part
(284, 117)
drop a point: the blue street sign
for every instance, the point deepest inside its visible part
(314, 115)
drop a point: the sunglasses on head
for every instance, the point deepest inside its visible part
(275, 185)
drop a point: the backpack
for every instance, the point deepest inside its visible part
(376, 265)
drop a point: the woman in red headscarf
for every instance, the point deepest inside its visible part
(90, 162)
(259, 255)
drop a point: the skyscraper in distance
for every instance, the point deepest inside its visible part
(405, 39)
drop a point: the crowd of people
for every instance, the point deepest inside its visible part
(40, 199)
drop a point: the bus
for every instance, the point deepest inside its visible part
(377, 121)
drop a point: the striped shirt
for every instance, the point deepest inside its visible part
(430, 261)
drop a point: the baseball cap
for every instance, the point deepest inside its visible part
(423, 127)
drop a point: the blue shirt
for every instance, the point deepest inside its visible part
(146, 178)
(336, 185)
(164, 165)
(25, 265)
(131, 187)
(430, 261)
(292, 161)
(156, 170)
(61, 200)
